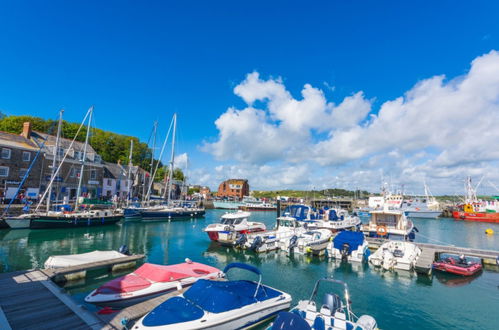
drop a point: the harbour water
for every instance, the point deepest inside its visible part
(398, 300)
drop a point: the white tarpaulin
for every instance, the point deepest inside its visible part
(80, 259)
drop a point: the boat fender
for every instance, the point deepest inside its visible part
(124, 250)
(179, 286)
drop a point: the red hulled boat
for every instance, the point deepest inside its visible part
(461, 267)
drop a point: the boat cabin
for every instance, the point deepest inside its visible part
(300, 212)
(234, 218)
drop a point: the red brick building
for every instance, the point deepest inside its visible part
(237, 188)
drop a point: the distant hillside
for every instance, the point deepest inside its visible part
(327, 193)
(112, 147)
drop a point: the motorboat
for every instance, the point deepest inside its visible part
(212, 304)
(349, 246)
(458, 266)
(311, 241)
(233, 222)
(336, 220)
(148, 281)
(396, 255)
(388, 223)
(62, 261)
(286, 228)
(258, 206)
(332, 314)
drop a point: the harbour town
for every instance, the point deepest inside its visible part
(265, 165)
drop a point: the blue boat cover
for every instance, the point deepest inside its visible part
(174, 310)
(287, 320)
(242, 266)
(352, 238)
(223, 296)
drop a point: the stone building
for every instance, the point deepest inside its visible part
(115, 181)
(16, 155)
(234, 188)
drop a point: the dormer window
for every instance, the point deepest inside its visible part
(6, 153)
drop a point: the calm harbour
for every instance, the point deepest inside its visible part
(398, 300)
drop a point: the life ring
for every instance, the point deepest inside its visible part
(381, 230)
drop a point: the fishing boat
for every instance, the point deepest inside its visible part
(349, 246)
(311, 241)
(210, 304)
(461, 266)
(422, 207)
(332, 314)
(474, 209)
(392, 224)
(148, 281)
(396, 255)
(233, 222)
(258, 206)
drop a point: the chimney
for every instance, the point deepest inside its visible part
(26, 130)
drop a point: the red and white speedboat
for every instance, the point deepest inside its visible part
(459, 267)
(234, 222)
(148, 281)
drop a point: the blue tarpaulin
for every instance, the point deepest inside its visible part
(174, 310)
(352, 238)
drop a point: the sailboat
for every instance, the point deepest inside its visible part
(171, 210)
(61, 218)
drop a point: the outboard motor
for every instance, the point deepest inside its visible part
(345, 251)
(241, 240)
(257, 242)
(332, 302)
(124, 250)
(293, 242)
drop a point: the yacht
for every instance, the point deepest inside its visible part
(233, 222)
(392, 224)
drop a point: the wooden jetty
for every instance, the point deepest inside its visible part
(429, 252)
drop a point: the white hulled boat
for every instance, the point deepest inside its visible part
(389, 224)
(349, 246)
(396, 255)
(311, 241)
(233, 222)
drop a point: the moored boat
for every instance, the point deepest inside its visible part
(233, 222)
(336, 220)
(308, 242)
(332, 314)
(396, 255)
(148, 281)
(61, 261)
(348, 246)
(461, 266)
(258, 206)
(392, 224)
(209, 304)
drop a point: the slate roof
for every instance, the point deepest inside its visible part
(16, 141)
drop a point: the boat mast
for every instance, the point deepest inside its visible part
(129, 173)
(154, 130)
(78, 191)
(55, 153)
(172, 160)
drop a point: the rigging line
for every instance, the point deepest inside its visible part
(435, 240)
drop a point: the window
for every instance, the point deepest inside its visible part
(60, 152)
(98, 159)
(72, 172)
(109, 182)
(93, 174)
(26, 156)
(5, 153)
(22, 172)
(4, 170)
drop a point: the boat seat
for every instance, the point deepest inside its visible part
(319, 324)
(311, 311)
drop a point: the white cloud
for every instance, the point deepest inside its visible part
(440, 129)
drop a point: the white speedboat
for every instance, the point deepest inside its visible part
(287, 227)
(233, 222)
(389, 223)
(311, 241)
(396, 255)
(336, 220)
(349, 246)
(235, 304)
(332, 314)
(148, 281)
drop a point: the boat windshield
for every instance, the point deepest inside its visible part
(225, 221)
(389, 220)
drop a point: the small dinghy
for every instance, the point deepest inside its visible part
(333, 313)
(396, 255)
(459, 267)
(69, 260)
(235, 222)
(148, 281)
(349, 246)
(218, 305)
(311, 241)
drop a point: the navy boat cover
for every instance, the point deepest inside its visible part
(352, 238)
(174, 310)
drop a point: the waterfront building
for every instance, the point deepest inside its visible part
(115, 181)
(233, 188)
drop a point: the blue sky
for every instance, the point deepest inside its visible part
(141, 61)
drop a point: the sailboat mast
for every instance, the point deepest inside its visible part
(172, 160)
(129, 173)
(55, 153)
(78, 192)
(154, 130)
